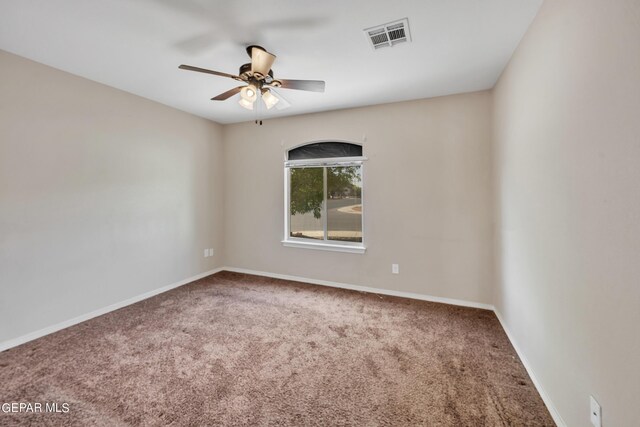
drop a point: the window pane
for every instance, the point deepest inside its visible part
(344, 204)
(307, 194)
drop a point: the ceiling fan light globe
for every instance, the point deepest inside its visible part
(249, 93)
(246, 104)
(269, 99)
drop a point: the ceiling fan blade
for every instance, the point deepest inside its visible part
(228, 94)
(310, 85)
(261, 60)
(204, 70)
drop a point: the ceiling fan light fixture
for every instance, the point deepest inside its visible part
(249, 93)
(246, 104)
(270, 100)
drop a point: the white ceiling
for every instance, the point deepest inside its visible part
(458, 46)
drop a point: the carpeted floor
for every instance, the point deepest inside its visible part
(234, 349)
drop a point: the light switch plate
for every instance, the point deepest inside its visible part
(206, 253)
(596, 413)
(395, 268)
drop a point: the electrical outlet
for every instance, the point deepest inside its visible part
(395, 268)
(596, 412)
(211, 252)
(206, 253)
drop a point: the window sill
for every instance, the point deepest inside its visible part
(335, 247)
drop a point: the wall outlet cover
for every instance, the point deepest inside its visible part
(596, 412)
(395, 268)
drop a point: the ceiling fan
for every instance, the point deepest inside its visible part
(258, 78)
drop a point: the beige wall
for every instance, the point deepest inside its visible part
(428, 204)
(567, 156)
(103, 196)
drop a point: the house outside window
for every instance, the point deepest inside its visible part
(324, 197)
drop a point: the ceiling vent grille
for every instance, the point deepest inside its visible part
(389, 34)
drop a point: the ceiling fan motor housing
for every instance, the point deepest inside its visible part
(245, 73)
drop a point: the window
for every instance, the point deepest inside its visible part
(323, 197)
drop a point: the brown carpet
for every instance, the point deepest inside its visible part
(234, 349)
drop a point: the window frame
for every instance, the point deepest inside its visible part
(324, 244)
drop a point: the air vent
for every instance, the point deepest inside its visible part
(389, 34)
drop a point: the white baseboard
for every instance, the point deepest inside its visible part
(99, 312)
(410, 295)
(543, 394)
